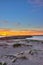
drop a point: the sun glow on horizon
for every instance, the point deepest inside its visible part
(22, 32)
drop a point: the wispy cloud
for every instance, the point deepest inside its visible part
(8, 24)
(36, 2)
(36, 5)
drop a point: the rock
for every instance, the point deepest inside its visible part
(5, 64)
(14, 60)
(0, 63)
(16, 45)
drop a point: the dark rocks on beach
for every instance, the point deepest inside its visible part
(3, 63)
(14, 60)
(0, 63)
(17, 45)
(32, 52)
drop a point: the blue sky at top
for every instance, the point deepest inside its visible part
(19, 14)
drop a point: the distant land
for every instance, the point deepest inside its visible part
(8, 32)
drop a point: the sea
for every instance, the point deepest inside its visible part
(36, 38)
(28, 51)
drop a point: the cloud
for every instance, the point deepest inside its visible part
(36, 2)
(36, 5)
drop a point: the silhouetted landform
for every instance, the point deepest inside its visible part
(15, 37)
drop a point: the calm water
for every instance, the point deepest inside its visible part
(36, 38)
(24, 51)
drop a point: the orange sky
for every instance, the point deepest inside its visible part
(4, 32)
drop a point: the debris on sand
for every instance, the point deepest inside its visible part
(19, 45)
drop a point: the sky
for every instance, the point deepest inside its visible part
(21, 14)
